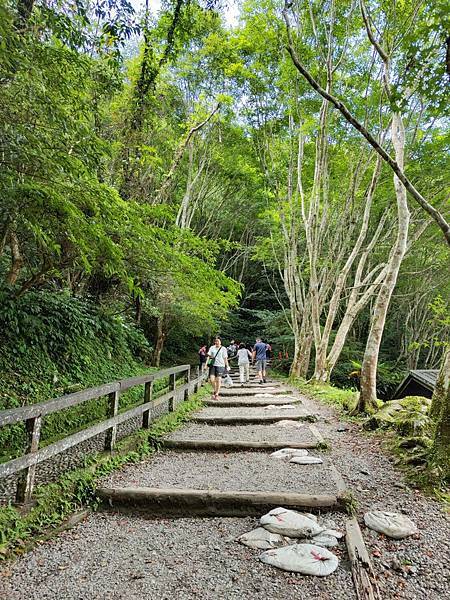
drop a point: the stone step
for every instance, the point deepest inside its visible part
(238, 391)
(250, 419)
(282, 437)
(236, 402)
(233, 445)
(185, 502)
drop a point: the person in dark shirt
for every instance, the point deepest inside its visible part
(260, 356)
(202, 357)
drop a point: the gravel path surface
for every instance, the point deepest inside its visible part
(253, 433)
(416, 568)
(235, 471)
(118, 557)
(113, 557)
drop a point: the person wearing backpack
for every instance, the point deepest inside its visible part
(232, 349)
(217, 363)
(202, 359)
(244, 355)
(259, 356)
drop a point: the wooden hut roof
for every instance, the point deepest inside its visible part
(425, 377)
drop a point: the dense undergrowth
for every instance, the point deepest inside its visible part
(406, 429)
(55, 502)
(54, 344)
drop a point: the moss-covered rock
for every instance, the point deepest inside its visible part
(408, 416)
(415, 442)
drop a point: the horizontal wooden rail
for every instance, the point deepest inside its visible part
(32, 415)
(17, 415)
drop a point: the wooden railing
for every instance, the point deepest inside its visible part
(33, 414)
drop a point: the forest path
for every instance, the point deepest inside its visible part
(129, 552)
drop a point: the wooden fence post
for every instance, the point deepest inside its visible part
(172, 387)
(188, 382)
(197, 379)
(111, 434)
(25, 481)
(146, 415)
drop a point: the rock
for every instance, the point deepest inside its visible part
(400, 485)
(287, 423)
(393, 525)
(306, 460)
(407, 415)
(395, 565)
(288, 453)
(342, 427)
(413, 442)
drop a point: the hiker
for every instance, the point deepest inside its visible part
(259, 355)
(217, 363)
(232, 349)
(244, 356)
(202, 358)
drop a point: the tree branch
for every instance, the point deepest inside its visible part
(161, 193)
(435, 214)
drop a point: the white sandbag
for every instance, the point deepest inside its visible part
(334, 532)
(288, 453)
(287, 423)
(279, 406)
(394, 525)
(325, 540)
(270, 407)
(262, 538)
(306, 460)
(311, 516)
(307, 559)
(290, 523)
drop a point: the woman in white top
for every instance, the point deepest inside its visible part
(217, 363)
(244, 357)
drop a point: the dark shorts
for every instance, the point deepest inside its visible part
(261, 365)
(216, 371)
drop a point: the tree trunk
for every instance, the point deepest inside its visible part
(368, 394)
(16, 259)
(138, 310)
(302, 352)
(324, 365)
(440, 412)
(159, 342)
(321, 370)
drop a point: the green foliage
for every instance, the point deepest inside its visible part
(344, 400)
(55, 344)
